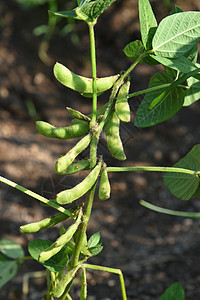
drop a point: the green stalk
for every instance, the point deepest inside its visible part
(152, 169)
(37, 197)
(94, 73)
(94, 141)
(83, 226)
(110, 270)
(153, 89)
(169, 211)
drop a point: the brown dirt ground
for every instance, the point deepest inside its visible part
(152, 250)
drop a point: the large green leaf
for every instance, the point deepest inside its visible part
(166, 106)
(8, 269)
(193, 93)
(174, 292)
(56, 263)
(181, 64)
(177, 34)
(182, 185)
(148, 23)
(11, 249)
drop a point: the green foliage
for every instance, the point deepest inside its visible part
(148, 23)
(174, 292)
(177, 34)
(184, 186)
(10, 255)
(56, 263)
(173, 100)
(11, 249)
(8, 269)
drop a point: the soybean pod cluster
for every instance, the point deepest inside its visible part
(68, 164)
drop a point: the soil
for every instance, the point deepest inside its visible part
(151, 249)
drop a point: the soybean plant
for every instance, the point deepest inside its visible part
(168, 91)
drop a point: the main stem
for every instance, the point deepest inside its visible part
(93, 153)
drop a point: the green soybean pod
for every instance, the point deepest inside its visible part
(80, 189)
(65, 280)
(104, 185)
(49, 252)
(77, 114)
(82, 84)
(76, 166)
(114, 142)
(43, 224)
(67, 236)
(64, 161)
(122, 107)
(69, 132)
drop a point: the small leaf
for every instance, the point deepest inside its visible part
(56, 263)
(94, 240)
(182, 185)
(177, 34)
(96, 250)
(193, 93)
(148, 23)
(65, 14)
(175, 10)
(90, 11)
(174, 292)
(166, 106)
(95, 244)
(134, 49)
(11, 249)
(8, 269)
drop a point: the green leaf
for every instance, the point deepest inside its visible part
(56, 263)
(96, 250)
(65, 14)
(175, 10)
(90, 11)
(177, 34)
(182, 185)
(181, 64)
(95, 244)
(166, 106)
(8, 269)
(94, 240)
(11, 249)
(197, 193)
(174, 292)
(148, 23)
(193, 93)
(134, 49)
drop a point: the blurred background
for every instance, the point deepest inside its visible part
(152, 250)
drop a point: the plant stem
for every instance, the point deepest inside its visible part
(152, 169)
(37, 197)
(94, 73)
(94, 141)
(169, 211)
(153, 89)
(83, 226)
(110, 270)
